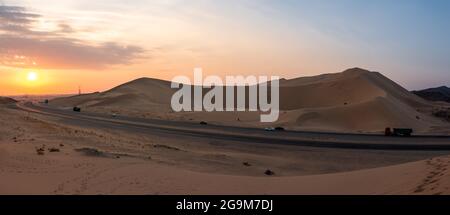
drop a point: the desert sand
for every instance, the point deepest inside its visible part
(355, 100)
(41, 155)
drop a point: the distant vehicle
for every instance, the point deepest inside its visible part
(269, 129)
(402, 132)
(274, 129)
(203, 123)
(399, 132)
(279, 129)
(76, 109)
(388, 131)
(114, 115)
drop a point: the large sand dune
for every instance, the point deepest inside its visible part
(355, 100)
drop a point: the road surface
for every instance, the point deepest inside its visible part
(253, 135)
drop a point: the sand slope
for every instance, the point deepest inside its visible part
(6, 100)
(355, 100)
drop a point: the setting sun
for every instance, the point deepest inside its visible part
(32, 76)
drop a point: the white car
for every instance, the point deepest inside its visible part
(269, 129)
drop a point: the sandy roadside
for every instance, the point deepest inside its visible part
(69, 170)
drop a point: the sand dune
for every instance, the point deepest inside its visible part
(355, 100)
(142, 96)
(6, 100)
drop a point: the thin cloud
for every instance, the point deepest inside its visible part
(16, 20)
(16, 15)
(66, 28)
(21, 46)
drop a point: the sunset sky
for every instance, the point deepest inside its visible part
(52, 47)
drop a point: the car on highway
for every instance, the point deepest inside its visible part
(274, 129)
(269, 129)
(398, 132)
(279, 129)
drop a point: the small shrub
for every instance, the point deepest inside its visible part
(269, 172)
(246, 164)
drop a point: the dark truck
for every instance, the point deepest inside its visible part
(400, 132)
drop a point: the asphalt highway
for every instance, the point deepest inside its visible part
(253, 135)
